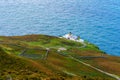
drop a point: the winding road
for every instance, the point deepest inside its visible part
(109, 74)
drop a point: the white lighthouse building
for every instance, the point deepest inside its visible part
(70, 36)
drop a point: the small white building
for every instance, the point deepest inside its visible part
(70, 36)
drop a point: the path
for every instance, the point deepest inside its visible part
(89, 57)
(109, 74)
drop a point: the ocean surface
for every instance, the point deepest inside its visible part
(97, 21)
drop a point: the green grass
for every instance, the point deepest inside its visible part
(55, 43)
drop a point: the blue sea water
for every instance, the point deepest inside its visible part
(97, 21)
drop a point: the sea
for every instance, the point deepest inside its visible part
(97, 21)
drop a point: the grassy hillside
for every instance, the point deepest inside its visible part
(38, 57)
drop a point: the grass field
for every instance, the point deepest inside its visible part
(27, 58)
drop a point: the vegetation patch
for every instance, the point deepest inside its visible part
(38, 57)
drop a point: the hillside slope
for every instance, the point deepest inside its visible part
(42, 57)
